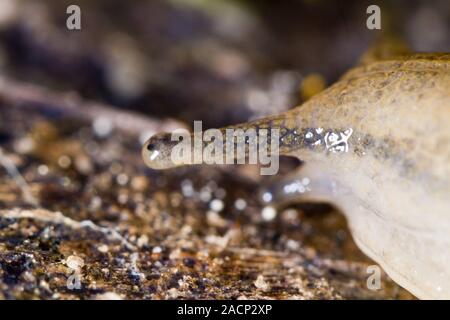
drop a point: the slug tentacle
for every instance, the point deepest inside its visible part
(312, 182)
(270, 133)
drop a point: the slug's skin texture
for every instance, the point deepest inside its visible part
(393, 180)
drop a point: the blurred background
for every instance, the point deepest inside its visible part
(75, 107)
(220, 61)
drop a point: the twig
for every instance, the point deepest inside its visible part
(28, 95)
(59, 218)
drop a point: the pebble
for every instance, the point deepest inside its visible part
(74, 262)
(103, 248)
(215, 220)
(108, 296)
(157, 250)
(260, 283)
(143, 241)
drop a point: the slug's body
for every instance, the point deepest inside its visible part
(377, 145)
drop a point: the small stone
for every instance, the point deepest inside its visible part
(103, 248)
(215, 220)
(175, 254)
(173, 293)
(143, 241)
(108, 296)
(157, 250)
(74, 262)
(189, 262)
(260, 283)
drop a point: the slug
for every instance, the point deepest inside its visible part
(376, 144)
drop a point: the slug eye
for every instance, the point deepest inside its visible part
(151, 147)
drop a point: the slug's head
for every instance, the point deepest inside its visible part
(157, 151)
